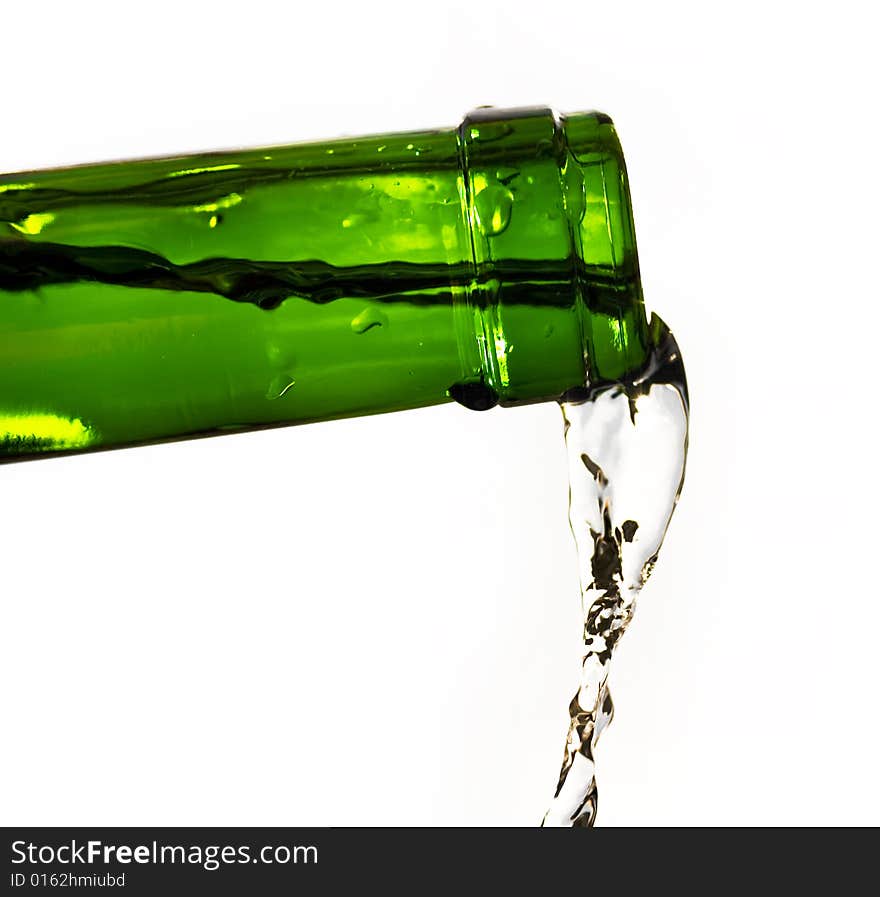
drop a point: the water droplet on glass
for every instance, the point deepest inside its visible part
(280, 357)
(368, 319)
(283, 362)
(506, 174)
(494, 205)
(279, 386)
(474, 394)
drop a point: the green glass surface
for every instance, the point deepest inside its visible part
(165, 298)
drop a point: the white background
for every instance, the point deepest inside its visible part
(376, 621)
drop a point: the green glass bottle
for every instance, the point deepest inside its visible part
(166, 298)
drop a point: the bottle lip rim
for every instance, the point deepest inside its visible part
(603, 271)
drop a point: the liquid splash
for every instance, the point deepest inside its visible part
(627, 445)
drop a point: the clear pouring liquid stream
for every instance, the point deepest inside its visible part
(627, 445)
